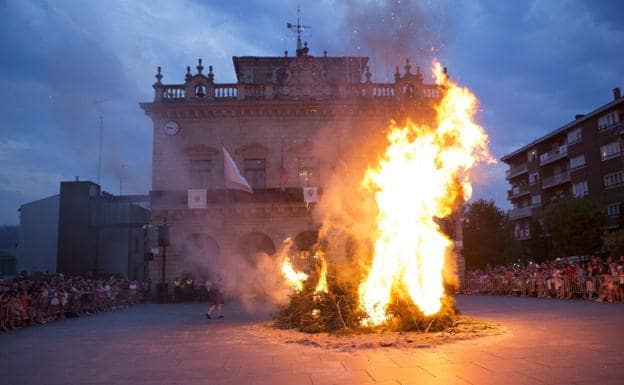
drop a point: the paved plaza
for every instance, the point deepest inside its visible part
(546, 342)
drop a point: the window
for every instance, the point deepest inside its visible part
(533, 178)
(614, 179)
(574, 135)
(608, 120)
(532, 155)
(610, 150)
(580, 189)
(308, 172)
(577, 162)
(536, 199)
(255, 172)
(200, 172)
(613, 209)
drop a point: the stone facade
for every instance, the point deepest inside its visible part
(271, 122)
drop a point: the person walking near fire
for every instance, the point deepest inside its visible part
(215, 299)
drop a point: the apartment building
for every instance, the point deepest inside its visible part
(580, 159)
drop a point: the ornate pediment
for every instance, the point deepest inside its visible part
(253, 150)
(200, 151)
(306, 77)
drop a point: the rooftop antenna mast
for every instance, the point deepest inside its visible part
(299, 28)
(99, 102)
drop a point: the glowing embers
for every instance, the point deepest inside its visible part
(421, 176)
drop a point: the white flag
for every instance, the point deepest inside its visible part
(310, 194)
(233, 179)
(196, 199)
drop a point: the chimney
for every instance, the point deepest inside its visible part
(617, 93)
(77, 178)
(578, 116)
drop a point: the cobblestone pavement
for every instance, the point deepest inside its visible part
(547, 342)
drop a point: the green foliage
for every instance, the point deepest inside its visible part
(538, 245)
(486, 238)
(615, 242)
(575, 226)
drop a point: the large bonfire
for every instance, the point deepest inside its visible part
(421, 177)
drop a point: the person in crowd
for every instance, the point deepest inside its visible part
(215, 299)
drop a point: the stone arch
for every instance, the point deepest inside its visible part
(306, 240)
(251, 244)
(202, 255)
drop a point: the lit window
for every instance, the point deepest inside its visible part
(610, 150)
(533, 178)
(608, 120)
(308, 172)
(536, 199)
(614, 179)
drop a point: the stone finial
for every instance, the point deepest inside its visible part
(418, 74)
(286, 53)
(159, 75)
(368, 75)
(408, 67)
(210, 74)
(200, 67)
(188, 73)
(325, 53)
(397, 74)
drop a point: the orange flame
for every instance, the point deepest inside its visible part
(293, 277)
(422, 175)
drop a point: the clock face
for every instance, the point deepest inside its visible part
(172, 128)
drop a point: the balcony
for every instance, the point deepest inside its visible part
(555, 180)
(556, 154)
(518, 191)
(521, 212)
(518, 170)
(178, 198)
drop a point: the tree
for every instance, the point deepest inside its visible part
(538, 245)
(615, 242)
(485, 235)
(575, 226)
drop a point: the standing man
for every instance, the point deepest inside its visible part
(215, 299)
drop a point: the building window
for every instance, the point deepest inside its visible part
(580, 189)
(255, 172)
(608, 120)
(536, 199)
(577, 162)
(574, 135)
(308, 172)
(532, 155)
(610, 150)
(533, 178)
(614, 179)
(200, 172)
(613, 209)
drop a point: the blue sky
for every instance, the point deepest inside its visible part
(533, 65)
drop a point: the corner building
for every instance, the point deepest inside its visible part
(580, 159)
(285, 122)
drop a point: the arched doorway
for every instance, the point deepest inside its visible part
(306, 240)
(250, 245)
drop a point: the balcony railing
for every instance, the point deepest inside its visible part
(179, 198)
(214, 92)
(520, 212)
(518, 170)
(518, 191)
(556, 179)
(553, 155)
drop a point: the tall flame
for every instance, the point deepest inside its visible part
(295, 278)
(422, 175)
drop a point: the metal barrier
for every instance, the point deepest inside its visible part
(603, 287)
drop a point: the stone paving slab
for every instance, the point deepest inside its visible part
(546, 342)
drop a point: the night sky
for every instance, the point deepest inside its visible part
(532, 64)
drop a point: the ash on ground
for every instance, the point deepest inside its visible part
(463, 328)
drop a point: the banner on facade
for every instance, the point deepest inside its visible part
(233, 178)
(197, 199)
(310, 194)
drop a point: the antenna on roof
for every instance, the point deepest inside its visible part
(299, 28)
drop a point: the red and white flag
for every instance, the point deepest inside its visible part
(233, 178)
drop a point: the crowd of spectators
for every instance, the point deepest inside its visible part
(26, 301)
(582, 278)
